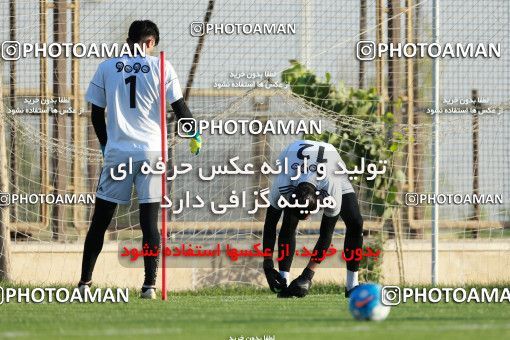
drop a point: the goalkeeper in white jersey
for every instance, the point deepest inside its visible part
(127, 88)
(308, 189)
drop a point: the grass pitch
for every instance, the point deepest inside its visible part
(250, 313)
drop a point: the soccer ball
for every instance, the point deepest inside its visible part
(365, 303)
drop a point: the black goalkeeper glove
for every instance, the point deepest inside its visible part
(275, 281)
(300, 286)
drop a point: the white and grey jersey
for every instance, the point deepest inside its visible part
(316, 154)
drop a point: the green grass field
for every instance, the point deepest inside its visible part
(223, 313)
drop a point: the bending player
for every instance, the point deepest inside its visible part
(309, 189)
(128, 89)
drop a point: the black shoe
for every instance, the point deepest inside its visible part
(300, 286)
(349, 292)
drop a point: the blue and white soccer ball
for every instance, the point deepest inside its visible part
(365, 303)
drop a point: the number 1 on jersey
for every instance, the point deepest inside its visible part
(320, 154)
